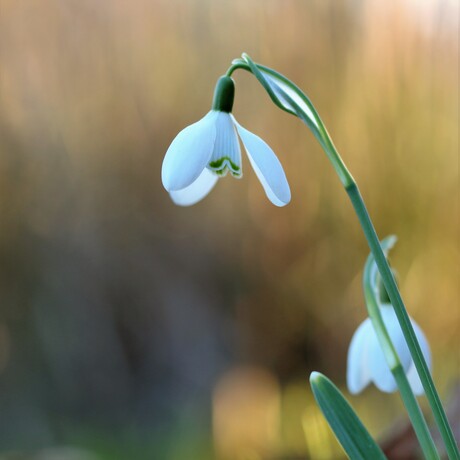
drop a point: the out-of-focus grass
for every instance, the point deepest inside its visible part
(119, 310)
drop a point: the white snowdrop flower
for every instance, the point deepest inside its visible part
(366, 362)
(205, 151)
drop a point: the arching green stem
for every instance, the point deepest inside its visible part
(404, 321)
(290, 98)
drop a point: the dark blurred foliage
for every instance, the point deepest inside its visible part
(131, 328)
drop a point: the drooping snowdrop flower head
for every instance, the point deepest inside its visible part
(366, 361)
(209, 149)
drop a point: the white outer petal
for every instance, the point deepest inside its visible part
(189, 153)
(378, 367)
(196, 191)
(358, 376)
(266, 166)
(412, 375)
(380, 371)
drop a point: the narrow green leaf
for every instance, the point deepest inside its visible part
(347, 427)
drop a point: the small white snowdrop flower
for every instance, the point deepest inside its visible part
(205, 151)
(366, 362)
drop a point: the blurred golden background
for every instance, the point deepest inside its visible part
(134, 329)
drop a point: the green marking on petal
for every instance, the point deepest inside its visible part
(224, 164)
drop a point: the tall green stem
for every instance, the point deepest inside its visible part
(290, 98)
(371, 294)
(415, 414)
(404, 321)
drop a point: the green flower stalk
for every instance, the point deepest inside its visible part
(208, 149)
(288, 97)
(379, 341)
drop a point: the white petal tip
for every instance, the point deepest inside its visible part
(280, 203)
(354, 391)
(266, 166)
(196, 191)
(356, 383)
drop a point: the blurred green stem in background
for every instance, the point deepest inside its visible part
(372, 296)
(288, 97)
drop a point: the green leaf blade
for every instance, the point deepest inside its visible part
(346, 425)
